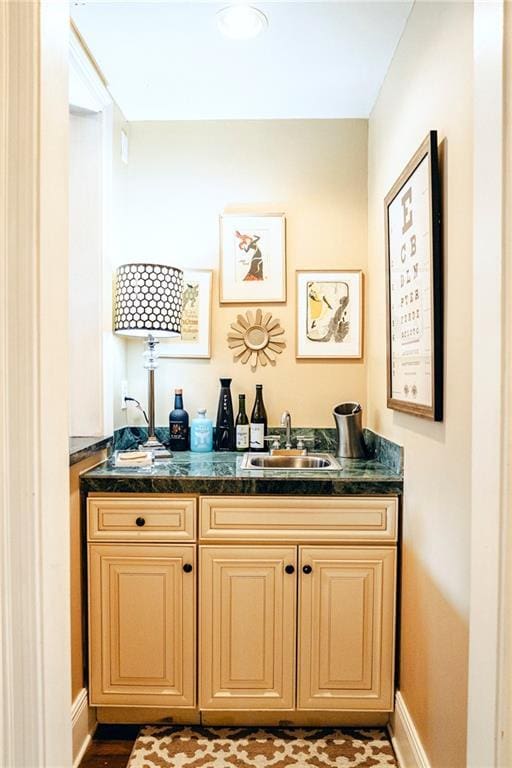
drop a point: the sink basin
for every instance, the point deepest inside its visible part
(318, 461)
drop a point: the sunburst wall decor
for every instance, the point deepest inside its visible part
(254, 338)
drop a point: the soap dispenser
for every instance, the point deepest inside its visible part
(201, 433)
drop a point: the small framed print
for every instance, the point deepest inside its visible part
(252, 258)
(195, 339)
(414, 287)
(330, 314)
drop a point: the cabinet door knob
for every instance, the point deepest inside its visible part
(140, 522)
(306, 569)
(187, 567)
(289, 569)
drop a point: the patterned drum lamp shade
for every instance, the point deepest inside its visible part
(147, 300)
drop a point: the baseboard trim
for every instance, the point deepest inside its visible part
(405, 738)
(83, 723)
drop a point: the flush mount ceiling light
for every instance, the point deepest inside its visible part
(241, 22)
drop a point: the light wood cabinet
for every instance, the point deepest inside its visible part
(247, 627)
(76, 562)
(296, 606)
(346, 628)
(142, 624)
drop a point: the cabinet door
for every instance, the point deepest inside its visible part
(346, 628)
(247, 627)
(142, 624)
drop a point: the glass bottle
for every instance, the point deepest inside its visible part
(225, 426)
(258, 428)
(242, 426)
(178, 424)
(201, 433)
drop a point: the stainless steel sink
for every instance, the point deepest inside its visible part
(313, 461)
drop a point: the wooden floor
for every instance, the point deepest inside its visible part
(110, 747)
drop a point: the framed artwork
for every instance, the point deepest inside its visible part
(195, 339)
(415, 287)
(252, 258)
(330, 314)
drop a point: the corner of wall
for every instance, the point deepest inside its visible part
(405, 738)
(83, 723)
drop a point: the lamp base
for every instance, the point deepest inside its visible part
(158, 450)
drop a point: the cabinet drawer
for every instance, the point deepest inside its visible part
(164, 519)
(267, 518)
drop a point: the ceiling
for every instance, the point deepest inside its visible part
(167, 60)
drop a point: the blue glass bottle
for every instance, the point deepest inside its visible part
(201, 433)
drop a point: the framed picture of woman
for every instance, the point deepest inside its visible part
(330, 314)
(252, 258)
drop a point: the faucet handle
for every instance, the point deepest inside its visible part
(276, 441)
(301, 439)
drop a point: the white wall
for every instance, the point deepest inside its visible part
(117, 345)
(85, 274)
(429, 86)
(182, 175)
(96, 195)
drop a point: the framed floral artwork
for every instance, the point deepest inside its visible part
(252, 258)
(195, 339)
(330, 314)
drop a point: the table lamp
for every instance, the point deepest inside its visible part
(147, 303)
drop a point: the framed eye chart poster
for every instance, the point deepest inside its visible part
(414, 287)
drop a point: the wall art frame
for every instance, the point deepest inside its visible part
(196, 321)
(330, 314)
(252, 258)
(256, 337)
(414, 286)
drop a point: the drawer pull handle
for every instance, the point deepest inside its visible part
(289, 569)
(306, 569)
(140, 522)
(188, 567)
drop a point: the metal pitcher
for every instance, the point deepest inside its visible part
(350, 443)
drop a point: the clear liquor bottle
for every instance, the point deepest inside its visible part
(258, 427)
(242, 426)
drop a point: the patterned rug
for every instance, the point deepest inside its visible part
(204, 747)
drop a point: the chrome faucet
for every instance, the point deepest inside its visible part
(286, 421)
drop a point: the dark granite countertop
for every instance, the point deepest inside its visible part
(82, 447)
(220, 473)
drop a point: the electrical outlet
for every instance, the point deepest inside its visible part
(124, 393)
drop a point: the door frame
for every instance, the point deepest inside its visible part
(35, 723)
(489, 720)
